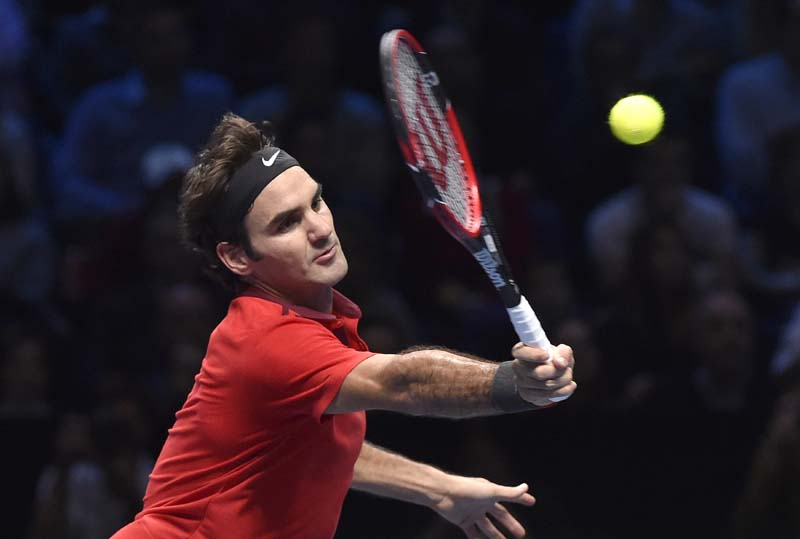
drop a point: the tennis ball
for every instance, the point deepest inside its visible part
(636, 119)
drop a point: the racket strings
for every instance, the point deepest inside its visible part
(432, 139)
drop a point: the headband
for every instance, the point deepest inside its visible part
(248, 181)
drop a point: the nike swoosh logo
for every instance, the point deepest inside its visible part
(271, 160)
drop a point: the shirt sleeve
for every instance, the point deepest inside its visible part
(297, 367)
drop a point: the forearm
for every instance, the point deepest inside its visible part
(387, 474)
(435, 382)
(467, 502)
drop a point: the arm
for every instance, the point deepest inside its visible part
(443, 383)
(464, 501)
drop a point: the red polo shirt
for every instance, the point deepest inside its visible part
(251, 454)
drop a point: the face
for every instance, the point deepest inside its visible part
(725, 324)
(291, 231)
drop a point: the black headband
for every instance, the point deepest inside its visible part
(248, 181)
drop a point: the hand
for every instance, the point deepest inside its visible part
(541, 382)
(469, 501)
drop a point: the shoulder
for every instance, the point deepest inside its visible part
(752, 72)
(253, 321)
(708, 204)
(614, 211)
(247, 314)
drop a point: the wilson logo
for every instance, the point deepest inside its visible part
(490, 265)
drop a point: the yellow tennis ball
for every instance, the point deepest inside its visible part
(636, 119)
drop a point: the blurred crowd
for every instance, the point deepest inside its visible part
(672, 268)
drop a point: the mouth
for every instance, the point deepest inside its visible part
(327, 255)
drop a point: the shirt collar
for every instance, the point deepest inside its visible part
(342, 305)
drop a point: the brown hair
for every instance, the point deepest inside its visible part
(230, 145)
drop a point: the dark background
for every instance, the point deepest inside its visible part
(672, 268)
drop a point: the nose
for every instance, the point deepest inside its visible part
(319, 227)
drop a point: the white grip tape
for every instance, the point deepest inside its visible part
(530, 331)
(527, 325)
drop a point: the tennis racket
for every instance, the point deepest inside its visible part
(434, 150)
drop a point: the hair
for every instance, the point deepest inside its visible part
(231, 144)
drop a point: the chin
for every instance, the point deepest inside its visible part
(339, 271)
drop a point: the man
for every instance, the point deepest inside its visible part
(271, 436)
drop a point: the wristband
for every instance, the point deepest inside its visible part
(505, 397)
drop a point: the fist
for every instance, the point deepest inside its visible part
(542, 381)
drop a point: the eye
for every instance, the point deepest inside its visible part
(316, 204)
(288, 223)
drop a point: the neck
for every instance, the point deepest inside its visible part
(319, 299)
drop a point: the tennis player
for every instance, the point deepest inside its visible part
(271, 436)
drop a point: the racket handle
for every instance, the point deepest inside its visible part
(530, 331)
(527, 325)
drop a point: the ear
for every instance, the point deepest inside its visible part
(234, 258)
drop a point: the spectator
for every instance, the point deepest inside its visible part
(725, 337)
(14, 38)
(169, 347)
(771, 258)
(596, 395)
(26, 419)
(26, 273)
(72, 443)
(98, 477)
(653, 306)
(603, 62)
(26, 267)
(330, 127)
(785, 364)
(669, 34)
(673, 49)
(159, 111)
(530, 222)
(756, 101)
(662, 190)
(73, 53)
(699, 419)
(682, 44)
